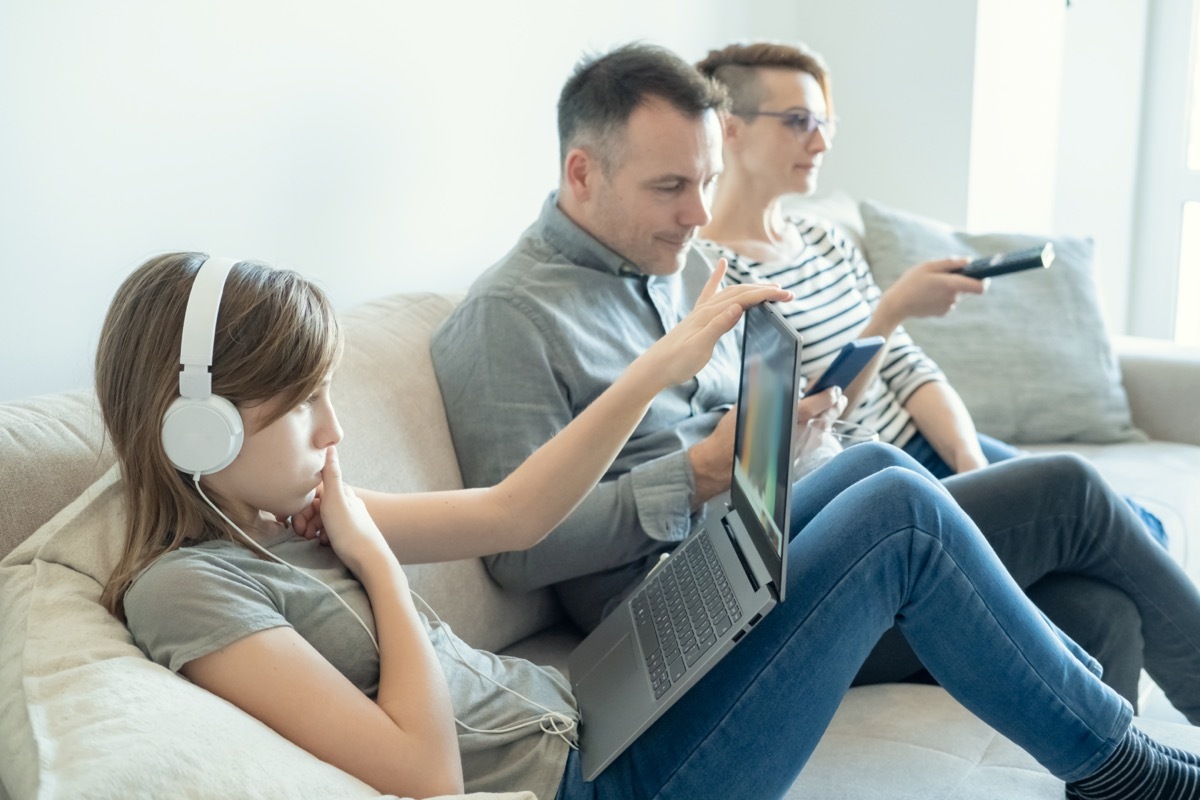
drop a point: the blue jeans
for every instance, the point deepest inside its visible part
(1083, 556)
(874, 546)
(995, 451)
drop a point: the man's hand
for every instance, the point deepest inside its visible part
(825, 406)
(931, 289)
(712, 460)
(712, 456)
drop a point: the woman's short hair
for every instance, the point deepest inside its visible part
(736, 68)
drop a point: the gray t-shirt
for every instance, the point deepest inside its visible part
(196, 600)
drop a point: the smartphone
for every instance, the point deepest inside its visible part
(849, 361)
(1015, 261)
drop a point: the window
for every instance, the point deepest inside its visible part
(1187, 303)
(1165, 279)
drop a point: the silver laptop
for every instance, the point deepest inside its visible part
(717, 585)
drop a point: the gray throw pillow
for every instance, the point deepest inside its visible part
(1031, 357)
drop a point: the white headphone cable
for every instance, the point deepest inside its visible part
(551, 722)
(267, 553)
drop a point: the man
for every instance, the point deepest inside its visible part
(607, 268)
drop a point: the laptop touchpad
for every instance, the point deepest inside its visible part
(616, 679)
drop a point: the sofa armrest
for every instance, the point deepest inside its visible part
(1162, 381)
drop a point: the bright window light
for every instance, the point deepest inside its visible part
(1187, 308)
(1194, 106)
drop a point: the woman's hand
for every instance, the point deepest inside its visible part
(688, 346)
(931, 289)
(345, 523)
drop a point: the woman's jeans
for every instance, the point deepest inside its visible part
(873, 546)
(995, 451)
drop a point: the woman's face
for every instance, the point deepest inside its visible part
(279, 466)
(776, 151)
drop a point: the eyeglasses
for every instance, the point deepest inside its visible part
(802, 122)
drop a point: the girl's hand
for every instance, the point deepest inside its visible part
(308, 523)
(688, 346)
(346, 524)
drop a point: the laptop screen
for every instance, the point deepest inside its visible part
(766, 417)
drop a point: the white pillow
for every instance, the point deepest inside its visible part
(83, 713)
(1031, 357)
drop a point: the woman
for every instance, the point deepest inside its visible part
(328, 647)
(780, 127)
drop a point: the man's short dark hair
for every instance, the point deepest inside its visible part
(597, 100)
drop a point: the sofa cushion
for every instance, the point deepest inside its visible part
(53, 449)
(1031, 357)
(1157, 374)
(90, 713)
(397, 439)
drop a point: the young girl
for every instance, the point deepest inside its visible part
(332, 651)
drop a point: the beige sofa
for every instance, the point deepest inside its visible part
(82, 714)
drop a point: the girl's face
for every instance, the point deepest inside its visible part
(777, 152)
(279, 466)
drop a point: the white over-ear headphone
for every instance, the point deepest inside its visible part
(202, 432)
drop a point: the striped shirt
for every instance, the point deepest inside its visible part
(835, 296)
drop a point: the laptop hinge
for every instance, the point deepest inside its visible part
(756, 571)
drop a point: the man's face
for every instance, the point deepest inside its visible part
(660, 188)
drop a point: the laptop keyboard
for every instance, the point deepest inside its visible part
(682, 610)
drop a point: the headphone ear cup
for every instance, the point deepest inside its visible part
(202, 435)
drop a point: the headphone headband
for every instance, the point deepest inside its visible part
(200, 327)
(201, 432)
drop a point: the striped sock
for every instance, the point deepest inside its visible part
(1172, 752)
(1137, 770)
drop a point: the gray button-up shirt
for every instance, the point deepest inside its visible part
(540, 335)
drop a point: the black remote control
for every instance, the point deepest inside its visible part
(1015, 261)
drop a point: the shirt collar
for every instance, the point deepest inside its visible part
(577, 245)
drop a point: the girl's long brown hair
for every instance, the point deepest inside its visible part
(277, 338)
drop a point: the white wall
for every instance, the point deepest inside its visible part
(903, 88)
(375, 145)
(381, 146)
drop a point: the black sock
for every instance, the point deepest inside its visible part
(1173, 752)
(1138, 770)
